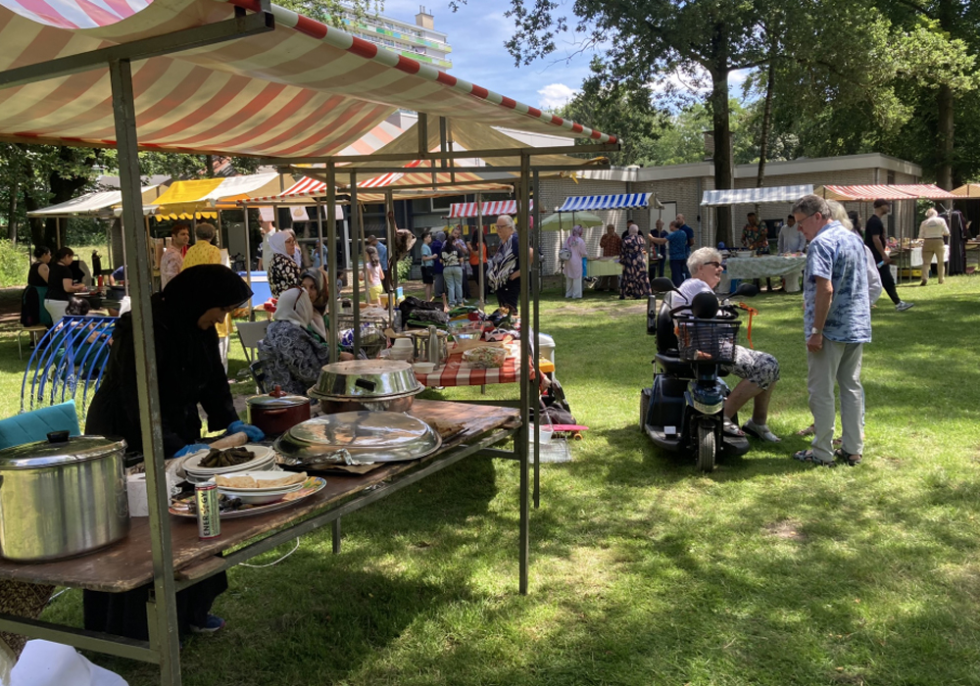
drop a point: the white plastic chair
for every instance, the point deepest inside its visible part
(56, 308)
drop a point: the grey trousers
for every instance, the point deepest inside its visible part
(840, 363)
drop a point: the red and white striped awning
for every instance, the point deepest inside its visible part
(884, 192)
(491, 208)
(308, 187)
(304, 89)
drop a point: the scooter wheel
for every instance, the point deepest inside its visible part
(707, 448)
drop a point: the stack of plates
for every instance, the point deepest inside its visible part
(263, 459)
(260, 495)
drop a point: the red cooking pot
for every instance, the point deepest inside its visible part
(277, 411)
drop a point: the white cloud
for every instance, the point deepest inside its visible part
(555, 95)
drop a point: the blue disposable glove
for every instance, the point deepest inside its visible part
(254, 433)
(192, 448)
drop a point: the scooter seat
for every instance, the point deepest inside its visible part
(675, 366)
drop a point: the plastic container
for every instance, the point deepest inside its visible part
(485, 357)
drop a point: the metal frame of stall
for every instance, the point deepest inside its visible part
(163, 648)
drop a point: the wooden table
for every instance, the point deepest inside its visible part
(128, 564)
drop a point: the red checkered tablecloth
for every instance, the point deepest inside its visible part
(458, 373)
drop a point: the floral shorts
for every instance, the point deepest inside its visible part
(756, 366)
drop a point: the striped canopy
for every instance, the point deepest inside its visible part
(302, 90)
(622, 201)
(885, 192)
(753, 196)
(309, 187)
(203, 197)
(91, 204)
(491, 208)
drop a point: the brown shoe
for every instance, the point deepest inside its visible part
(923, 283)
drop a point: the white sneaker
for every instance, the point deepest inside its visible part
(902, 306)
(760, 431)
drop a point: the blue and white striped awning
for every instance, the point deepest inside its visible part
(754, 196)
(624, 201)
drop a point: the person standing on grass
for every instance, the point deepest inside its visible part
(427, 259)
(676, 242)
(611, 245)
(837, 322)
(689, 232)
(874, 238)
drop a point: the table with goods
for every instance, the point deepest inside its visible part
(603, 266)
(235, 500)
(744, 266)
(469, 351)
(906, 257)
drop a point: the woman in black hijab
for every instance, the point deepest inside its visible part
(190, 372)
(188, 366)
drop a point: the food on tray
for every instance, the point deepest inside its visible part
(226, 458)
(252, 482)
(485, 357)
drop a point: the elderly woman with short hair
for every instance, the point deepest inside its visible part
(759, 371)
(634, 283)
(203, 251)
(504, 273)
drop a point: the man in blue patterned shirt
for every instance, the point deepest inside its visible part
(837, 321)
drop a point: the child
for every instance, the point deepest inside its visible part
(373, 275)
(427, 258)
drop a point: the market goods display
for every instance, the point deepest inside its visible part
(226, 458)
(485, 357)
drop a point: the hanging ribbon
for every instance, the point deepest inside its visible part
(752, 312)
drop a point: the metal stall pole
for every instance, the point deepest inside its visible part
(161, 610)
(355, 220)
(482, 267)
(521, 436)
(392, 266)
(319, 232)
(333, 297)
(535, 297)
(248, 263)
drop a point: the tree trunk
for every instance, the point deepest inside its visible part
(944, 138)
(949, 20)
(724, 172)
(209, 166)
(12, 217)
(766, 118)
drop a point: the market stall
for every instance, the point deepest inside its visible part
(906, 228)
(146, 51)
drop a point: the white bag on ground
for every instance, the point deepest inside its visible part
(44, 663)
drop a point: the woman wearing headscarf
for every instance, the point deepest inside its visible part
(634, 283)
(292, 352)
(572, 268)
(284, 273)
(188, 367)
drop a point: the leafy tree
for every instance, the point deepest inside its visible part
(651, 40)
(615, 107)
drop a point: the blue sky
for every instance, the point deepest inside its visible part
(477, 34)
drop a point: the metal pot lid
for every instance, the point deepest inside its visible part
(59, 450)
(277, 399)
(374, 436)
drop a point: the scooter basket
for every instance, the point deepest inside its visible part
(706, 340)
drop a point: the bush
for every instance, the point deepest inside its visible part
(404, 268)
(14, 264)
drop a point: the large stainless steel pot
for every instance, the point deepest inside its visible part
(277, 411)
(372, 385)
(62, 497)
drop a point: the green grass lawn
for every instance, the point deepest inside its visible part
(644, 572)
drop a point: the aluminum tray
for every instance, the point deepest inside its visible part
(367, 436)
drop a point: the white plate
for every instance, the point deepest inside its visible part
(260, 477)
(260, 454)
